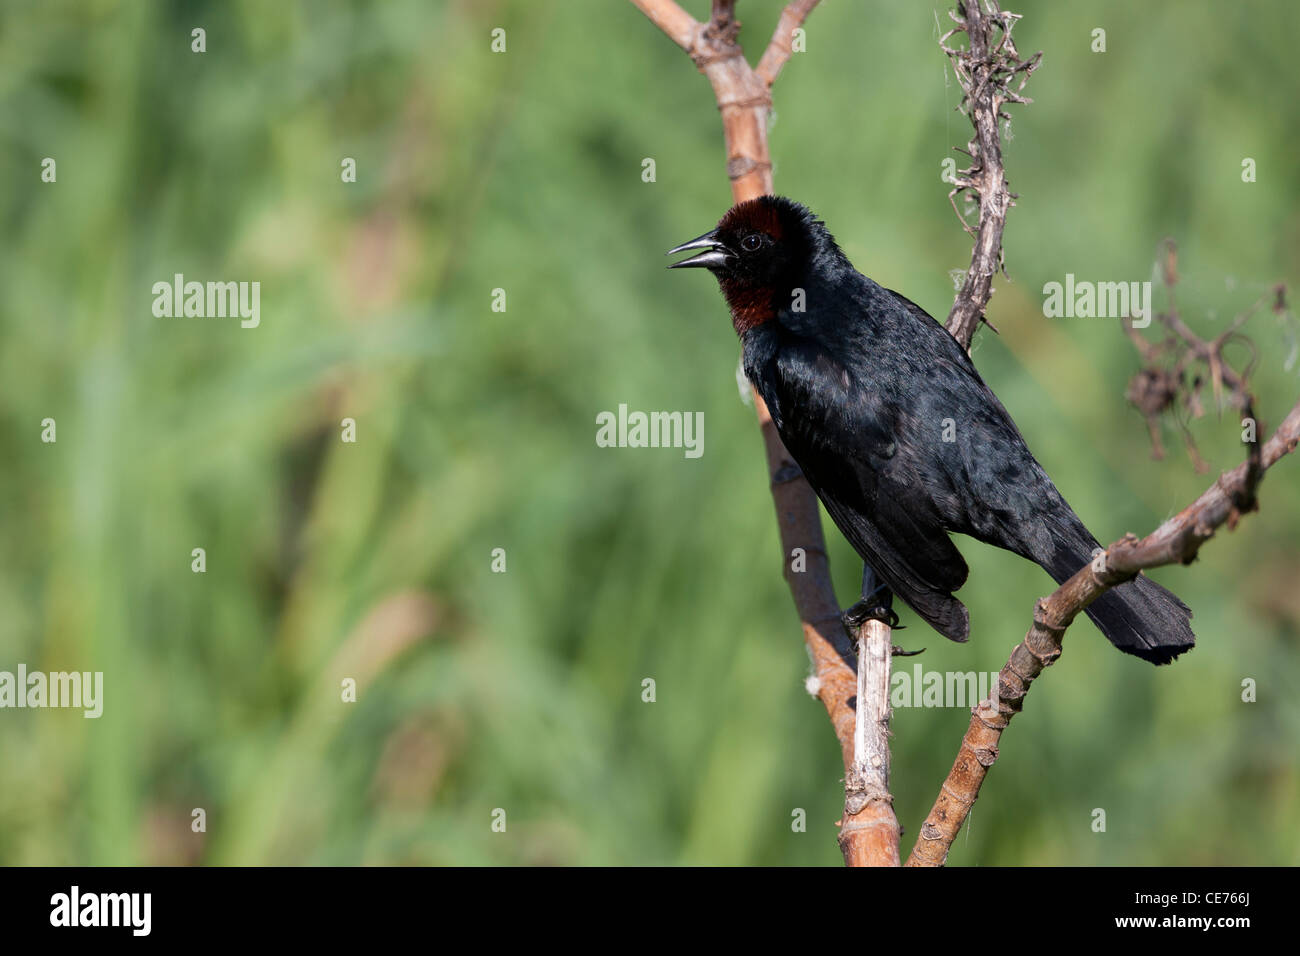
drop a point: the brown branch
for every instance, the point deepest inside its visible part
(1177, 541)
(779, 47)
(680, 26)
(986, 70)
(744, 100)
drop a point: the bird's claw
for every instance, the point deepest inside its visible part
(865, 611)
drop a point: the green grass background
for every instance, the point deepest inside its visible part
(522, 691)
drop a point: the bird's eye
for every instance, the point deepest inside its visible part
(751, 242)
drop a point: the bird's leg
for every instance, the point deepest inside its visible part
(876, 604)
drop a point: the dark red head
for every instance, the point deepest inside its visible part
(760, 252)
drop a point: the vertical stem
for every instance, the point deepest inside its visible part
(869, 833)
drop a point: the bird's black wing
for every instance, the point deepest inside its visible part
(844, 434)
(987, 483)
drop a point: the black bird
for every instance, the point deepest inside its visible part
(897, 433)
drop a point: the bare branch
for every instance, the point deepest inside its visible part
(681, 27)
(987, 71)
(869, 832)
(1175, 541)
(779, 47)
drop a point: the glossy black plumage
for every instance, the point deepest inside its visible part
(896, 431)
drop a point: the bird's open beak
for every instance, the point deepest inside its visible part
(716, 253)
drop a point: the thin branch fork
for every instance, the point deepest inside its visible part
(743, 94)
(870, 832)
(1177, 541)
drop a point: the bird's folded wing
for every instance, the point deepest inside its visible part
(844, 436)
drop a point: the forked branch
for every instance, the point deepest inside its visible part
(870, 832)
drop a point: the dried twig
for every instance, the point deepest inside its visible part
(987, 70)
(1163, 386)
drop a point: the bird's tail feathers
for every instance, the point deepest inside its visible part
(1139, 617)
(941, 611)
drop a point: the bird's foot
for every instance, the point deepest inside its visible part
(899, 652)
(869, 610)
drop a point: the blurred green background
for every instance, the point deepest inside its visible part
(475, 430)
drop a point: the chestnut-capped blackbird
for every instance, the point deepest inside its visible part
(896, 431)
